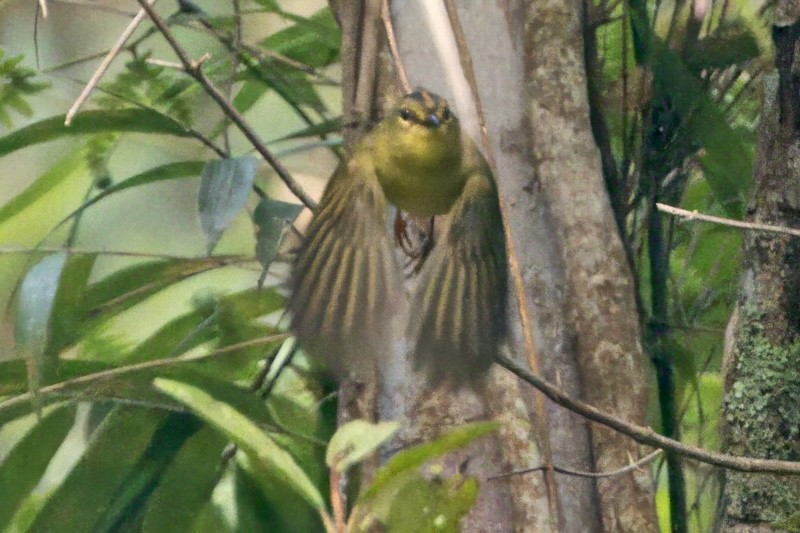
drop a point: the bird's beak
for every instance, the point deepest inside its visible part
(433, 120)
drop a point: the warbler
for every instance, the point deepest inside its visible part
(345, 279)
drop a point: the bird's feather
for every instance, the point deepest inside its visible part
(459, 317)
(344, 276)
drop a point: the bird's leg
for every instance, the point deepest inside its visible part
(401, 236)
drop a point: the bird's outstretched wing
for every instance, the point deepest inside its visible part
(459, 318)
(344, 278)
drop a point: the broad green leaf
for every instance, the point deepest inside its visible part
(169, 171)
(421, 505)
(63, 169)
(272, 218)
(25, 464)
(114, 452)
(262, 450)
(122, 120)
(415, 457)
(356, 440)
(224, 188)
(186, 485)
(34, 306)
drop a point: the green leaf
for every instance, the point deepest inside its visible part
(128, 504)
(314, 41)
(429, 506)
(63, 169)
(731, 44)
(123, 120)
(272, 218)
(185, 487)
(413, 458)
(34, 308)
(68, 307)
(355, 440)
(27, 461)
(262, 450)
(113, 454)
(224, 188)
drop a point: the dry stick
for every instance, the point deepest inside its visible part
(196, 72)
(386, 16)
(43, 8)
(531, 352)
(101, 70)
(581, 473)
(146, 365)
(694, 215)
(645, 435)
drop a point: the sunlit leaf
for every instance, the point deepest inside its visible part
(23, 467)
(86, 122)
(262, 450)
(413, 458)
(356, 440)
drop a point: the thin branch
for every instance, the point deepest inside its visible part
(531, 351)
(694, 215)
(146, 365)
(43, 8)
(101, 70)
(581, 473)
(388, 26)
(8, 250)
(196, 72)
(645, 435)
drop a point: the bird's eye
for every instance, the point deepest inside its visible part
(405, 113)
(446, 114)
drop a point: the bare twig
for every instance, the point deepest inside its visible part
(43, 8)
(531, 352)
(694, 215)
(195, 71)
(101, 70)
(645, 435)
(386, 16)
(580, 473)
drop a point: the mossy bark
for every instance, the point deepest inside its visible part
(762, 367)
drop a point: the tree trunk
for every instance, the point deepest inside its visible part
(548, 170)
(762, 366)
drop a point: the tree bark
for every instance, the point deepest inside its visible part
(762, 365)
(600, 302)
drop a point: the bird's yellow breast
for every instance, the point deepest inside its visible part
(420, 171)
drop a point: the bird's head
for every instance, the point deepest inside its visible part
(423, 121)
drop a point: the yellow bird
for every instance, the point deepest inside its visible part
(345, 279)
